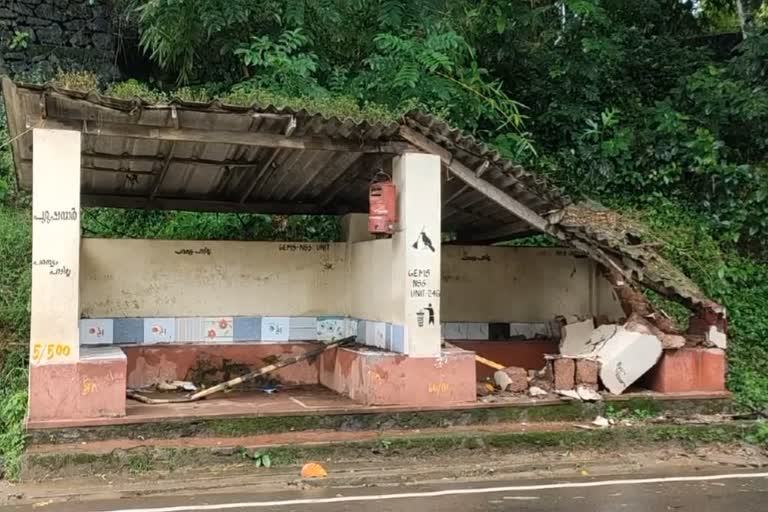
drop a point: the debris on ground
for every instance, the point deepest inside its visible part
(537, 392)
(176, 385)
(313, 470)
(484, 388)
(513, 379)
(569, 394)
(601, 422)
(588, 394)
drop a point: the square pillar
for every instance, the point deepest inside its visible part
(55, 334)
(416, 252)
(65, 385)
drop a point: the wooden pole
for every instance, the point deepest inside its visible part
(243, 378)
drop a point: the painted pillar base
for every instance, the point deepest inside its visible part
(93, 387)
(688, 369)
(385, 378)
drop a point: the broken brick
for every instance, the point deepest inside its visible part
(543, 378)
(586, 373)
(565, 373)
(518, 379)
(512, 379)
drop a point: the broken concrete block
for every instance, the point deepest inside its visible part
(671, 341)
(636, 323)
(587, 373)
(625, 357)
(716, 337)
(601, 422)
(589, 347)
(569, 394)
(588, 394)
(544, 378)
(502, 380)
(575, 336)
(518, 378)
(484, 388)
(565, 373)
(536, 392)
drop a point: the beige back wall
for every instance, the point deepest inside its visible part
(154, 278)
(519, 284)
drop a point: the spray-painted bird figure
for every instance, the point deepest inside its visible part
(424, 239)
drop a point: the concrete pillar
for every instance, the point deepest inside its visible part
(416, 252)
(55, 247)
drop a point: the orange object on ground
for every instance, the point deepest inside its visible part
(313, 470)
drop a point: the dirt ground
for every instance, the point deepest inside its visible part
(475, 467)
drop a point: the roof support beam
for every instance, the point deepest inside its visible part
(499, 234)
(272, 140)
(479, 172)
(163, 171)
(469, 177)
(257, 177)
(502, 198)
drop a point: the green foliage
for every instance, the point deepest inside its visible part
(171, 225)
(15, 289)
(282, 64)
(13, 407)
(84, 81)
(738, 282)
(19, 41)
(133, 89)
(259, 458)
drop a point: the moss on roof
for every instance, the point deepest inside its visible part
(340, 106)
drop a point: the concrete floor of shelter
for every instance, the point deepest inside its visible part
(305, 400)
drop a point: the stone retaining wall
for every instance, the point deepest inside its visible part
(60, 34)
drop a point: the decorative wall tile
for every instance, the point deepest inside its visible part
(189, 330)
(330, 328)
(247, 328)
(477, 331)
(128, 331)
(361, 327)
(275, 328)
(303, 328)
(398, 339)
(218, 329)
(350, 327)
(96, 331)
(159, 330)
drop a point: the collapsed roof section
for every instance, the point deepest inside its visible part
(227, 158)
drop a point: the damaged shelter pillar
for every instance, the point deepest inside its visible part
(55, 247)
(416, 252)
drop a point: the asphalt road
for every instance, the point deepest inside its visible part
(742, 492)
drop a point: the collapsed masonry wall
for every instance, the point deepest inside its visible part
(40, 37)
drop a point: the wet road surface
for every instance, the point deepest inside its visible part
(737, 492)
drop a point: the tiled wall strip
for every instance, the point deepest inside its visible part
(247, 329)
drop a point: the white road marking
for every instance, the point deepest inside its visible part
(447, 492)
